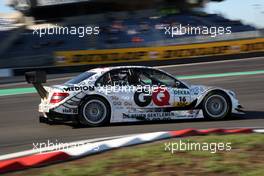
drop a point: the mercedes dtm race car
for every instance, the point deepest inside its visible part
(128, 94)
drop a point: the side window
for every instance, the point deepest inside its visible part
(144, 79)
(153, 77)
(120, 77)
(80, 78)
(104, 80)
(163, 78)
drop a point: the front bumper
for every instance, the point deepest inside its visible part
(239, 109)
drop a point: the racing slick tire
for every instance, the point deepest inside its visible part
(216, 106)
(94, 111)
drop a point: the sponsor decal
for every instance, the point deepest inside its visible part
(181, 92)
(79, 88)
(162, 115)
(182, 102)
(160, 97)
(128, 103)
(195, 91)
(117, 103)
(142, 99)
(150, 116)
(114, 98)
(70, 111)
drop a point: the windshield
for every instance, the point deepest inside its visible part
(80, 78)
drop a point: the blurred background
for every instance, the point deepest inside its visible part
(122, 25)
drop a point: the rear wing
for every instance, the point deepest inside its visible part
(37, 78)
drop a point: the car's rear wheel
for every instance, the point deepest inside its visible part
(94, 111)
(216, 106)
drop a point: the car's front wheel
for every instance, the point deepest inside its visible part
(216, 106)
(94, 111)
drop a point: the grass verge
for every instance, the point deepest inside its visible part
(245, 158)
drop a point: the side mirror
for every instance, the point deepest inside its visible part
(36, 77)
(177, 83)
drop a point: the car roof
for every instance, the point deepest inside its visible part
(106, 69)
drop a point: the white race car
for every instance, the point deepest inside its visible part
(128, 94)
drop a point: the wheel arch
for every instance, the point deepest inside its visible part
(219, 90)
(97, 96)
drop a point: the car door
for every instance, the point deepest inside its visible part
(166, 90)
(116, 85)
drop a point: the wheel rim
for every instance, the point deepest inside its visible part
(216, 106)
(94, 111)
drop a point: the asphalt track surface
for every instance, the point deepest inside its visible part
(19, 126)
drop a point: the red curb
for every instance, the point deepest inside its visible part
(45, 158)
(186, 132)
(11, 166)
(212, 130)
(32, 161)
(242, 130)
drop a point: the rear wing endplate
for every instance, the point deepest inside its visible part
(37, 78)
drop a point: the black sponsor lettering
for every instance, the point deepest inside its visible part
(85, 88)
(253, 46)
(195, 52)
(78, 88)
(67, 89)
(181, 92)
(135, 116)
(146, 98)
(151, 116)
(114, 97)
(117, 103)
(127, 104)
(108, 57)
